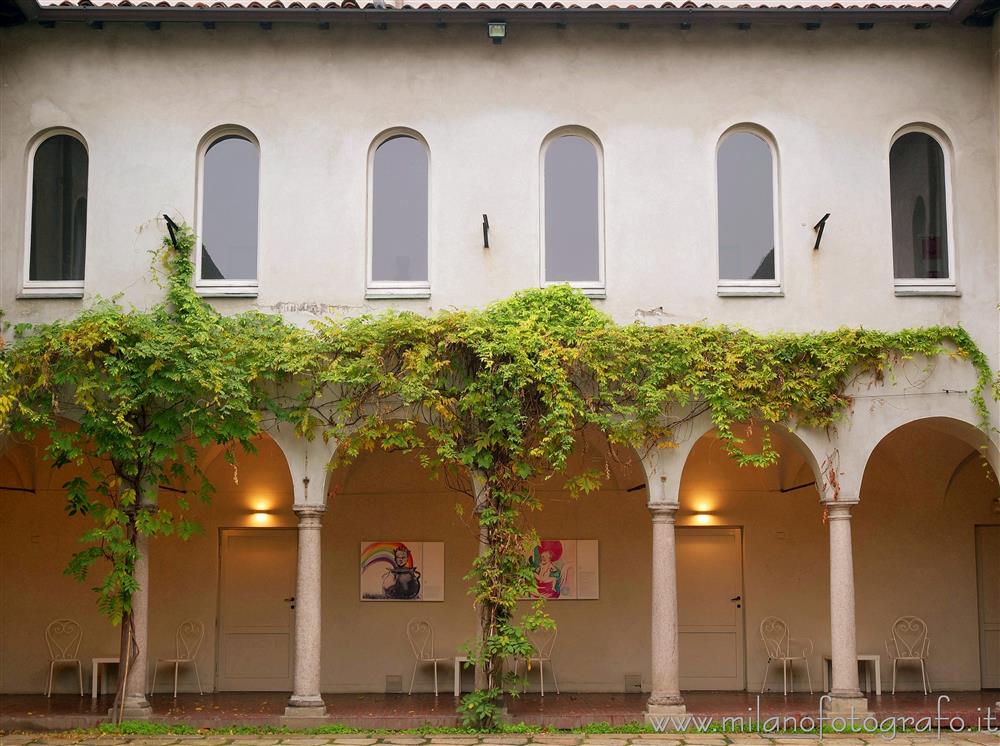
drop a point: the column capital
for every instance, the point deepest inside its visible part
(663, 512)
(839, 510)
(309, 515)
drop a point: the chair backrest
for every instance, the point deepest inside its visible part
(543, 640)
(420, 634)
(909, 637)
(63, 637)
(774, 633)
(188, 639)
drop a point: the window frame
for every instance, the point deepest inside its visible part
(48, 288)
(917, 286)
(751, 288)
(389, 289)
(590, 288)
(224, 288)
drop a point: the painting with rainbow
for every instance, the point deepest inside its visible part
(402, 570)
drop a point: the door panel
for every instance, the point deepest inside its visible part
(255, 621)
(709, 575)
(988, 575)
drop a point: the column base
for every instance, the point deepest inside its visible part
(137, 707)
(305, 706)
(847, 703)
(660, 710)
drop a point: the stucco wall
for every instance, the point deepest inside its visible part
(914, 553)
(913, 539)
(658, 98)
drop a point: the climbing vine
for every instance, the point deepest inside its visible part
(503, 394)
(126, 396)
(493, 400)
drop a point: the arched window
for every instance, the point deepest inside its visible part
(918, 186)
(399, 242)
(230, 189)
(58, 231)
(572, 217)
(748, 250)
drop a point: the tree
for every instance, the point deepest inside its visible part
(145, 388)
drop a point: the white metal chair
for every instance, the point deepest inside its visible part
(63, 637)
(187, 641)
(910, 644)
(786, 650)
(543, 641)
(420, 635)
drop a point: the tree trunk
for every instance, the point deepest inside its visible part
(127, 649)
(127, 654)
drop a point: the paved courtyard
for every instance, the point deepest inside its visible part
(569, 711)
(648, 739)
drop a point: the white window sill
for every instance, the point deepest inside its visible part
(397, 293)
(909, 289)
(50, 291)
(226, 291)
(749, 290)
(593, 290)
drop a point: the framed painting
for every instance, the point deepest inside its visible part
(402, 570)
(566, 569)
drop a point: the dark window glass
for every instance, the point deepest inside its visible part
(919, 212)
(572, 202)
(746, 208)
(58, 210)
(231, 186)
(399, 211)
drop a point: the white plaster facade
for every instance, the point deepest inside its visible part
(657, 98)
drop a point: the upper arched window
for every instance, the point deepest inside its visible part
(748, 249)
(57, 242)
(573, 245)
(400, 200)
(230, 192)
(918, 185)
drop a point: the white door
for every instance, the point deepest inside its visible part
(257, 583)
(710, 608)
(988, 575)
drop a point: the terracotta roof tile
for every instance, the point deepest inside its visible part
(814, 5)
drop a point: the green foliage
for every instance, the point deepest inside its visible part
(145, 728)
(126, 396)
(493, 400)
(504, 393)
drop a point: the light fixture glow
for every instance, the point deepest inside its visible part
(497, 31)
(261, 519)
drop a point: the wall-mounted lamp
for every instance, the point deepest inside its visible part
(486, 231)
(497, 31)
(262, 512)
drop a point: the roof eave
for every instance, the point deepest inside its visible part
(142, 13)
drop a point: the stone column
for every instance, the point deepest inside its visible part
(844, 690)
(665, 698)
(306, 700)
(136, 705)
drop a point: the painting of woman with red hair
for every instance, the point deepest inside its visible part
(548, 571)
